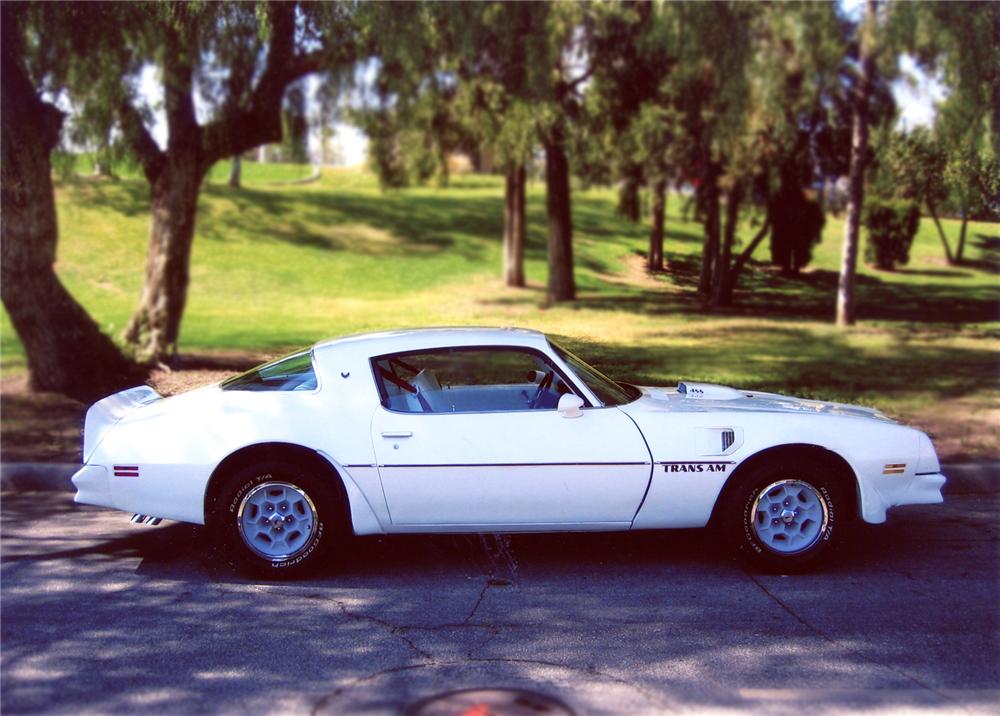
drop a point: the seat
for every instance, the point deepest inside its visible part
(429, 392)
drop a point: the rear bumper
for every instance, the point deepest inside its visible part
(920, 489)
(173, 492)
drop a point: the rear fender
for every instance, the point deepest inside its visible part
(105, 414)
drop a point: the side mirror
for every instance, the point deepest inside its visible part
(569, 406)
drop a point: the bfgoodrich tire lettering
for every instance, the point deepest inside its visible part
(277, 519)
(784, 515)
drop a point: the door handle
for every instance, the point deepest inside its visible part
(397, 434)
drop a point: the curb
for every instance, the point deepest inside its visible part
(37, 476)
(965, 478)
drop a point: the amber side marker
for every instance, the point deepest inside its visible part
(895, 469)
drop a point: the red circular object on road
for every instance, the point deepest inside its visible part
(489, 702)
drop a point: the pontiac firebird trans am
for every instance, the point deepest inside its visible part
(490, 430)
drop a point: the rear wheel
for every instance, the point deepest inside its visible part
(278, 518)
(784, 515)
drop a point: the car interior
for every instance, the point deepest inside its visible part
(460, 380)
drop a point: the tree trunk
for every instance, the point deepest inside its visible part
(65, 349)
(995, 115)
(722, 284)
(654, 260)
(102, 163)
(944, 239)
(856, 176)
(562, 286)
(175, 173)
(628, 195)
(960, 251)
(710, 187)
(514, 226)
(155, 325)
(743, 258)
(235, 170)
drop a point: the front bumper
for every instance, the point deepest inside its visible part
(890, 491)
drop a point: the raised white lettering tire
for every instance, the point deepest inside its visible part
(785, 514)
(277, 519)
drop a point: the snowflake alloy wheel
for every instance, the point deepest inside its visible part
(789, 516)
(277, 521)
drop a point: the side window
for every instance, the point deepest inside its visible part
(468, 380)
(293, 372)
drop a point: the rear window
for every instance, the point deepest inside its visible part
(294, 372)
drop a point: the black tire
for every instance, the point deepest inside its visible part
(308, 501)
(755, 520)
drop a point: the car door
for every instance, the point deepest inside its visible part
(457, 456)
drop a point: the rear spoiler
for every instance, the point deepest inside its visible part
(104, 414)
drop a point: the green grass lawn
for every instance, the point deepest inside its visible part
(280, 266)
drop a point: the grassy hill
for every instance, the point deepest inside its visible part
(277, 266)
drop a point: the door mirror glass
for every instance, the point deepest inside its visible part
(569, 405)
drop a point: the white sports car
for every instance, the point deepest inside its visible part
(491, 430)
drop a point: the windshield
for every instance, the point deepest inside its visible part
(607, 391)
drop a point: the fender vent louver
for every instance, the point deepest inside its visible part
(728, 438)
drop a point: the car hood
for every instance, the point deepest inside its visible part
(707, 397)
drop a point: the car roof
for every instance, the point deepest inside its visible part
(424, 338)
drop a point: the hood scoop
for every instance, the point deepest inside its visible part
(708, 391)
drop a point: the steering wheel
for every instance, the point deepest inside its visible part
(543, 385)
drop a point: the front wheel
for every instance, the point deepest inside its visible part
(783, 516)
(277, 519)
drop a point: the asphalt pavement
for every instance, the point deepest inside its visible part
(103, 616)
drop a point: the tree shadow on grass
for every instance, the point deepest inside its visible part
(988, 248)
(393, 223)
(421, 224)
(933, 273)
(813, 295)
(766, 293)
(405, 223)
(128, 197)
(795, 361)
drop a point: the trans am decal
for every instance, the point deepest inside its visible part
(696, 466)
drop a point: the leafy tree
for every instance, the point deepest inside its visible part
(66, 351)
(411, 137)
(961, 42)
(531, 59)
(238, 57)
(495, 71)
(631, 116)
(861, 108)
(913, 166)
(506, 63)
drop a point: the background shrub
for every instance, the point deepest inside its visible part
(891, 226)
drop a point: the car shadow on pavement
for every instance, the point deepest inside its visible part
(105, 616)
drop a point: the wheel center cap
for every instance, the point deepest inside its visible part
(277, 521)
(787, 516)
